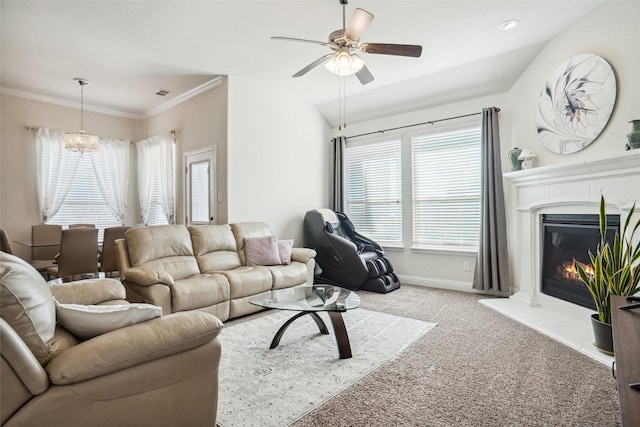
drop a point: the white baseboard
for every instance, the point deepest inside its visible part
(452, 285)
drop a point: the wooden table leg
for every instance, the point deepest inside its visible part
(283, 328)
(344, 347)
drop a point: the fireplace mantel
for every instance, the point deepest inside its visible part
(572, 187)
(618, 164)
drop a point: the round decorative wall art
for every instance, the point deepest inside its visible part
(576, 103)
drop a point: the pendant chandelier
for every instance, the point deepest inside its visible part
(81, 141)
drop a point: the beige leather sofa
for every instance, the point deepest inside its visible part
(204, 268)
(160, 372)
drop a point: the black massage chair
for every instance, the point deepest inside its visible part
(347, 258)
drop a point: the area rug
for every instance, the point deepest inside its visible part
(273, 388)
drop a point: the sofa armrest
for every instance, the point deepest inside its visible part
(22, 360)
(302, 254)
(146, 276)
(133, 345)
(88, 291)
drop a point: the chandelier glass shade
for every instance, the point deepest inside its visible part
(81, 141)
(344, 63)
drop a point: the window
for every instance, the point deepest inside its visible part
(431, 178)
(373, 189)
(90, 188)
(446, 188)
(84, 203)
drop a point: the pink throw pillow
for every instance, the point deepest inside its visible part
(261, 250)
(284, 250)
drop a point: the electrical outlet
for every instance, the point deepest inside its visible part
(466, 266)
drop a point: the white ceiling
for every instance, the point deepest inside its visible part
(129, 50)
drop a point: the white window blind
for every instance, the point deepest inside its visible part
(156, 214)
(446, 170)
(84, 203)
(373, 189)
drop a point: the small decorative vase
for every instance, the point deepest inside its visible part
(633, 137)
(516, 164)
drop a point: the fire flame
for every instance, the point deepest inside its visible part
(569, 270)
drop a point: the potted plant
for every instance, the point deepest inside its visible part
(616, 271)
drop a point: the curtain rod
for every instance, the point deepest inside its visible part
(418, 124)
(27, 127)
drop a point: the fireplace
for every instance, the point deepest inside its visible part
(567, 240)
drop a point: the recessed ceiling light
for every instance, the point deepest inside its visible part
(508, 25)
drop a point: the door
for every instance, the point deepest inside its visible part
(200, 186)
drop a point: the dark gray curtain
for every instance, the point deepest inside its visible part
(337, 195)
(492, 268)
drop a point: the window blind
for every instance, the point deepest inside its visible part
(446, 171)
(373, 189)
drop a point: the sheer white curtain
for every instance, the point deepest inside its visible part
(56, 171)
(111, 165)
(156, 175)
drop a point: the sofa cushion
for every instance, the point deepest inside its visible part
(248, 281)
(163, 247)
(242, 230)
(200, 290)
(214, 247)
(261, 251)
(27, 306)
(88, 321)
(285, 276)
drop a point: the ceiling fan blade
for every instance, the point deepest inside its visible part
(364, 75)
(392, 49)
(313, 65)
(290, 39)
(359, 22)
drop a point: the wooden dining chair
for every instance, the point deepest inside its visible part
(45, 241)
(78, 253)
(108, 263)
(45, 245)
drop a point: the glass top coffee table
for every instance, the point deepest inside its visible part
(310, 300)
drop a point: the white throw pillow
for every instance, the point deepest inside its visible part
(88, 321)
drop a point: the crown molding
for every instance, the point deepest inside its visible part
(64, 103)
(162, 107)
(217, 81)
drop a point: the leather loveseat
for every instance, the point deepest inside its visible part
(158, 372)
(206, 267)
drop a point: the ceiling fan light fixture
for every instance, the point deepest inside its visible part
(81, 141)
(344, 63)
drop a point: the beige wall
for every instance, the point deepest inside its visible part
(18, 190)
(199, 122)
(278, 152)
(271, 167)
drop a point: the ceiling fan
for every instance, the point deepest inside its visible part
(342, 61)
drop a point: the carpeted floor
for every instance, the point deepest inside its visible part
(477, 368)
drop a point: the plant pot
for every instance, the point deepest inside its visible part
(602, 335)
